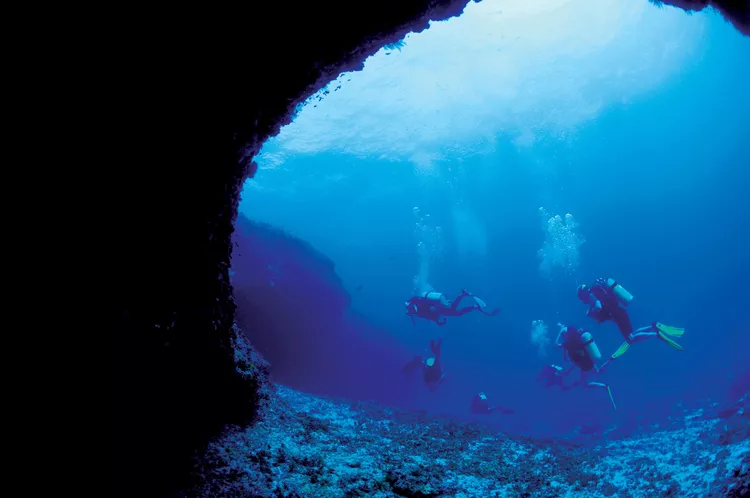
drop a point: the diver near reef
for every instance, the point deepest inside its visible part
(434, 306)
(481, 406)
(606, 300)
(432, 368)
(580, 349)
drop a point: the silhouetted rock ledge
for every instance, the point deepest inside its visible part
(307, 446)
(735, 11)
(201, 91)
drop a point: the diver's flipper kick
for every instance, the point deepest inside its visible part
(607, 301)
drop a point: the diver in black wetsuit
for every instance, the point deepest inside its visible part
(481, 406)
(432, 368)
(604, 299)
(434, 306)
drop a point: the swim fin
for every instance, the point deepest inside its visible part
(609, 391)
(481, 303)
(664, 337)
(670, 331)
(620, 351)
(483, 306)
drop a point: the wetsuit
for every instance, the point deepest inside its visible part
(610, 310)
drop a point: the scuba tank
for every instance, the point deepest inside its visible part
(591, 348)
(436, 297)
(622, 295)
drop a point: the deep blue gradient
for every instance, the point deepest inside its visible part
(661, 189)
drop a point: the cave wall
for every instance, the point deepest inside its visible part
(198, 91)
(205, 89)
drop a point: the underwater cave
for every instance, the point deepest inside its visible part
(184, 375)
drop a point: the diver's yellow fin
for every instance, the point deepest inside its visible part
(620, 351)
(670, 331)
(609, 391)
(669, 341)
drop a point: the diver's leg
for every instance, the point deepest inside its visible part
(600, 369)
(669, 330)
(643, 333)
(463, 311)
(578, 382)
(654, 331)
(622, 320)
(435, 347)
(603, 386)
(457, 301)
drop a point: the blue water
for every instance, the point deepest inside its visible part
(657, 181)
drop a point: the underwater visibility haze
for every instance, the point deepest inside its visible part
(517, 152)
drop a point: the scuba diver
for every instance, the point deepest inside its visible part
(432, 368)
(580, 349)
(481, 406)
(606, 299)
(434, 306)
(554, 376)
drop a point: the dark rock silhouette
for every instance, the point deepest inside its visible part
(201, 91)
(290, 299)
(735, 11)
(293, 307)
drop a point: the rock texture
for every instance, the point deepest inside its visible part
(309, 446)
(736, 11)
(199, 90)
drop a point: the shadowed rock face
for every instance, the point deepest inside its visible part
(736, 11)
(201, 90)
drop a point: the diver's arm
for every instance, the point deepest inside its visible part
(596, 306)
(558, 343)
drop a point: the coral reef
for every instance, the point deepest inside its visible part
(310, 446)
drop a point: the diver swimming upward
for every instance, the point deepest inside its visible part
(432, 368)
(434, 306)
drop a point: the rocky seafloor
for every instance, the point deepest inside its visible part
(307, 446)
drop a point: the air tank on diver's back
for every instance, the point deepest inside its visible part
(436, 297)
(620, 292)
